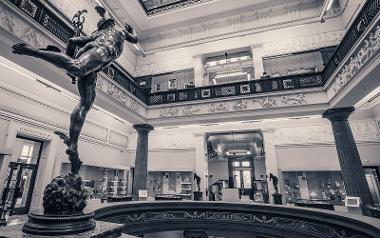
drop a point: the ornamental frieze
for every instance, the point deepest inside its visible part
(23, 30)
(169, 112)
(190, 110)
(234, 106)
(219, 107)
(294, 99)
(114, 91)
(267, 102)
(368, 49)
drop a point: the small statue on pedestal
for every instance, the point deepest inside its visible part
(274, 180)
(277, 197)
(198, 180)
(197, 194)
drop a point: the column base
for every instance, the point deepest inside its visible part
(56, 225)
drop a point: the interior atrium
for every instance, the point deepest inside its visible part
(190, 118)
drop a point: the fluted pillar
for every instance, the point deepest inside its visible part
(351, 166)
(141, 161)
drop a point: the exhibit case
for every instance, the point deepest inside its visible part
(318, 186)
(103, 182)
(174, 182)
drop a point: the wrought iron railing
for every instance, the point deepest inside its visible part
(238, 89)
(49, 20)
(357, 28)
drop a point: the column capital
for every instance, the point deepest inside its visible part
(143, 128)
(338, 114)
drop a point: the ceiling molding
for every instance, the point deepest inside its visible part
(152, 8)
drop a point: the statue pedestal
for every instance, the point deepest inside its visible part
(198, 196)
(56, 225)
(277, 198)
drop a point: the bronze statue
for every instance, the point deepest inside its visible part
(274, 180)
(96, 51)
(198, 181)
(85, 56)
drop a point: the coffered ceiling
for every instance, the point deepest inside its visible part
(147, 15)
(154, 7)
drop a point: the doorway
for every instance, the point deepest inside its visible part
(242, 171)
(236, 160)
(21, 175)
(372, 175)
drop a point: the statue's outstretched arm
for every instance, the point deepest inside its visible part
(132, 37)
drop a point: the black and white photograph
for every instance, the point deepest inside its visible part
(190, 118)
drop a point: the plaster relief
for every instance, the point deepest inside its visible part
(368, 49)
(240, 105)
(169, 112)
(190, 110)
(219, 107)
(267, 102)
(294, 99)
(13, 24)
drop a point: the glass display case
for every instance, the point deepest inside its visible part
(102, 182)
(318, 186)
(178, 183)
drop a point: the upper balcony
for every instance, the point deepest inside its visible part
(227, 90)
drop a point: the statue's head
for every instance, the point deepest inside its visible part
(106, 23)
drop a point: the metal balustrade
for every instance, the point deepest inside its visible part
(63, 31)
(358, 27)
(238, 89)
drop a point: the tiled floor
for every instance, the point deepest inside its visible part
(16, 219)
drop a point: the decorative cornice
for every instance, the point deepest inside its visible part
(176, 5)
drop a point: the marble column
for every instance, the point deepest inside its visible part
(271, 163)
(199, 79)
(231, 183)
(351, 166)
(257, 60)
(201, 161)
(141, 161)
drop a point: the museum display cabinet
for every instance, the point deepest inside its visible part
(319, 186)
(170, 183)
(103, 182)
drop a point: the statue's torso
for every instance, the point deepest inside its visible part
(112, 40)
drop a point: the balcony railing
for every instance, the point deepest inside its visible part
(358, 27)
(238, 89)
(63, 31)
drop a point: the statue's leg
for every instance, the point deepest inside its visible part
(59, 59)
(86, 87)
